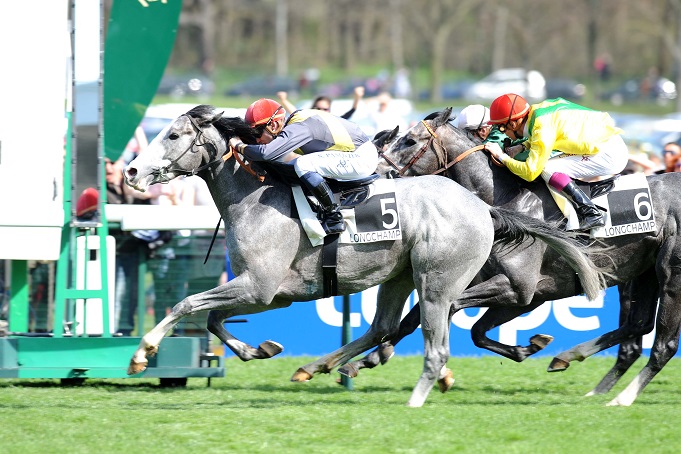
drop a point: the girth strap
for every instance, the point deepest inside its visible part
(329, 262)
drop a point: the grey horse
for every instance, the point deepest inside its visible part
(442, 247)
(646, 265)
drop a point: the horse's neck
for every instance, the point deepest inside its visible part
(493, 184)
(236, 192)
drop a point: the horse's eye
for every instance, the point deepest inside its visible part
(173, 136)
(410, 142)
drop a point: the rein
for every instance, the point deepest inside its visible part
(242, 163)
(419, 154)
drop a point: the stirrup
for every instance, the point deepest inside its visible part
(333, 222)
(591, 222)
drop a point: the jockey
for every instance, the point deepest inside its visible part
(474, 119)
(565, 141)
(317, 144)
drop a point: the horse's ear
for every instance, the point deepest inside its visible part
(383, 138)
(208, 116)
(393, 133)
(443, 117)
(217, 116)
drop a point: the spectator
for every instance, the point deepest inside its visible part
(323, 102)
(128, 250)
(670, 152)
(384, 117)
(171, 258)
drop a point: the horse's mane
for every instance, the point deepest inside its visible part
(228, 127)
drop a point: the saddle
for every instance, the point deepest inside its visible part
(349, 194)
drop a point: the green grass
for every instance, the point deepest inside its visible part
(495, 406)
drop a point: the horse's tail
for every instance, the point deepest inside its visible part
(511, 227)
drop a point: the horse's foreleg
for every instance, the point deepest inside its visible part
(390, 301)
(245, 352)
(505, 304)
(149, 343)
(497, 316)
(237, 297)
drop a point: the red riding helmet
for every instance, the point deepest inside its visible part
(506, 108)
(263, 111)
(87, 202)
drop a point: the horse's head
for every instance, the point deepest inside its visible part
(407, 155)
(185, 147)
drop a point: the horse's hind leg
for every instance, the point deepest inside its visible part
(629, 350)
(434, 315)
(667, 332)
(384, 352)
(389, 304)
(639, 321)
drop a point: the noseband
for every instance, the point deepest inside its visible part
(419, 154)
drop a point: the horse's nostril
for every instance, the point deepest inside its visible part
(130, 172)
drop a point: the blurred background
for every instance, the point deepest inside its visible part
(622, 56)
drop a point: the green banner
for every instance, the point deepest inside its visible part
(140, 37)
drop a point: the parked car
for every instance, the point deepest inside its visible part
(263, 86)
(565, 88)
(631, 90)
(178, 86)
(528, 83)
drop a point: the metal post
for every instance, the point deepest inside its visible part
(18, 301)
(141, 290)
(346, 336)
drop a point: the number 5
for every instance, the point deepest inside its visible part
(390, 212)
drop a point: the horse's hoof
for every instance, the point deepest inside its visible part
(270, 348)
(137, 367)
(445, 383)
(385, 352)
(558, 365)
(301, 375)
(349, 370)
(541, 340)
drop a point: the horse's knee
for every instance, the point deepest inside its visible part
(214, 321)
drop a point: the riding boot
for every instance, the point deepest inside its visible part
(589, 216)
(331, 218)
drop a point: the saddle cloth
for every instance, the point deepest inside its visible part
(628, 204)
(375, 219)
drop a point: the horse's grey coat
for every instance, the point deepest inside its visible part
(645, 266)
(447, 234)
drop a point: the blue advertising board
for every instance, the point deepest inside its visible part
(314, 328)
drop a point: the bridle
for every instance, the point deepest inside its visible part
(214, 159)
(172, 167)
(434, 139)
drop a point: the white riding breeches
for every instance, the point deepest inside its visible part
(340, 165)
(611, 159)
